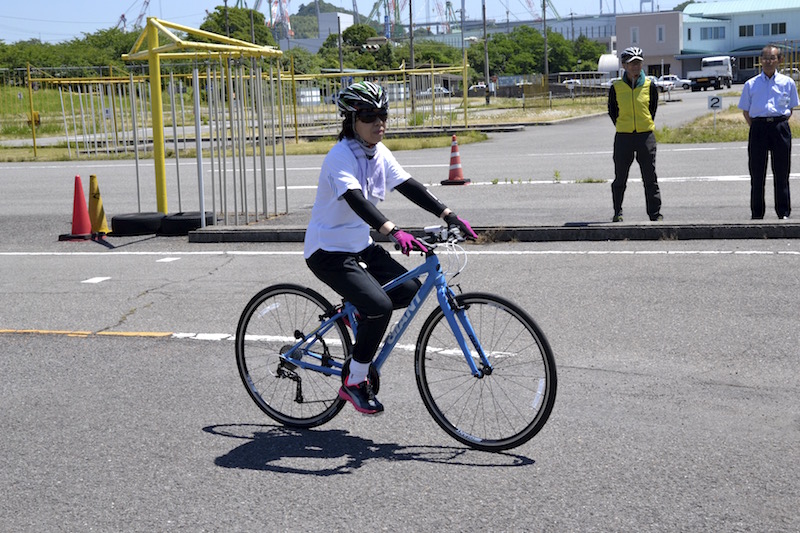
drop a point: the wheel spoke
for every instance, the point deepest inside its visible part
(286, 391)
(507, 406)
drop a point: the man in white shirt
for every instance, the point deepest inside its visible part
(767, 101)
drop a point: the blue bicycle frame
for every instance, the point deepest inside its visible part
(306, 352)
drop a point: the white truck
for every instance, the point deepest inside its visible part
(714, 72)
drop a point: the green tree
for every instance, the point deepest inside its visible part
(305, 27)
(304, 61)
(562, 55)
(353, 54)
(515, 53)
(238, 22)
(588, 52)
(426, 51)
(385, 58)
(357, 35)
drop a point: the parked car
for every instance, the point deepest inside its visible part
(662, 86)
(439, 91)
(477, 87)
(677, 81)
(571, 84)
(609, 83)
(793, 72)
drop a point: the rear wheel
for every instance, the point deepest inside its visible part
(269, 328)
(512, 401)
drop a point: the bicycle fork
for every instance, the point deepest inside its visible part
(452, 309)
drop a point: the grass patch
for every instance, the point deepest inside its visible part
(317, 147)
(730, 127)
(322, 146)
(591, 180)
(44, 153)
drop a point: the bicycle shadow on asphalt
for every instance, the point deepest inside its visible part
(336, 452)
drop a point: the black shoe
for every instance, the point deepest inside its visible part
(657, 218)
(617, 218)
(784, 217)
(362, 397)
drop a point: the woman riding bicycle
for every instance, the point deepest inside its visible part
(356, 174)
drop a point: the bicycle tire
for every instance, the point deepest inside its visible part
(287, 393)
(503, 409)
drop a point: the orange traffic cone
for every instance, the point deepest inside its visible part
(456, 176)
(81, 226)
(96, 212)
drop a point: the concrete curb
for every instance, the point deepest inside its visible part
(574, 232)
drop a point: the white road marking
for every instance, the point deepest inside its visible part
(469, 252)
(96, 280)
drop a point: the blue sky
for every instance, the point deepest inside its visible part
(62, 20)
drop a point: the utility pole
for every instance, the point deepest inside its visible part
(411, 33)
(485, 54)
(227, 24)
(572, 24)
(544, 33)
(463, 19)
(411, 84)
(341, 55)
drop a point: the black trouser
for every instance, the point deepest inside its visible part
(766, 137)
(643, 147)
(362, 287)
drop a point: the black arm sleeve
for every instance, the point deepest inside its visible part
(613, 107)
(363, 208)
(653, 100)
(420, 195)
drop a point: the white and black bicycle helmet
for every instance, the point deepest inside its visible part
(362, 95)
(632, 53)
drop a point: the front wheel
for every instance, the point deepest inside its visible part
(512, 401)
(269, 328)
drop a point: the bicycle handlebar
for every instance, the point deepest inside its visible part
(435, 235)
(438, 234)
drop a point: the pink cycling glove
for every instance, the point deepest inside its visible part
(466, 230)
(405, 241)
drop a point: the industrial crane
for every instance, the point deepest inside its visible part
(393, 9)
(138, 24)
(535, 8)
(279, 14)
(122, 23)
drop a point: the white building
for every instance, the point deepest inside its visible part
(739, 28)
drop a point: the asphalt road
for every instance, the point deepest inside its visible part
(677, 407)
(536, 177)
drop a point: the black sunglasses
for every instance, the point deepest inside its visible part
(368, 117)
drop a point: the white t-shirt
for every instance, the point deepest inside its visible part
(334, 226)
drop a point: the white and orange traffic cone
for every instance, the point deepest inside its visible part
(81, 225)
(456, 176)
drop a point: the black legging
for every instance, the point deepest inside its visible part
(362, 287)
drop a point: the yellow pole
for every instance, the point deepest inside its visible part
(154, 64)
(33, 119)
